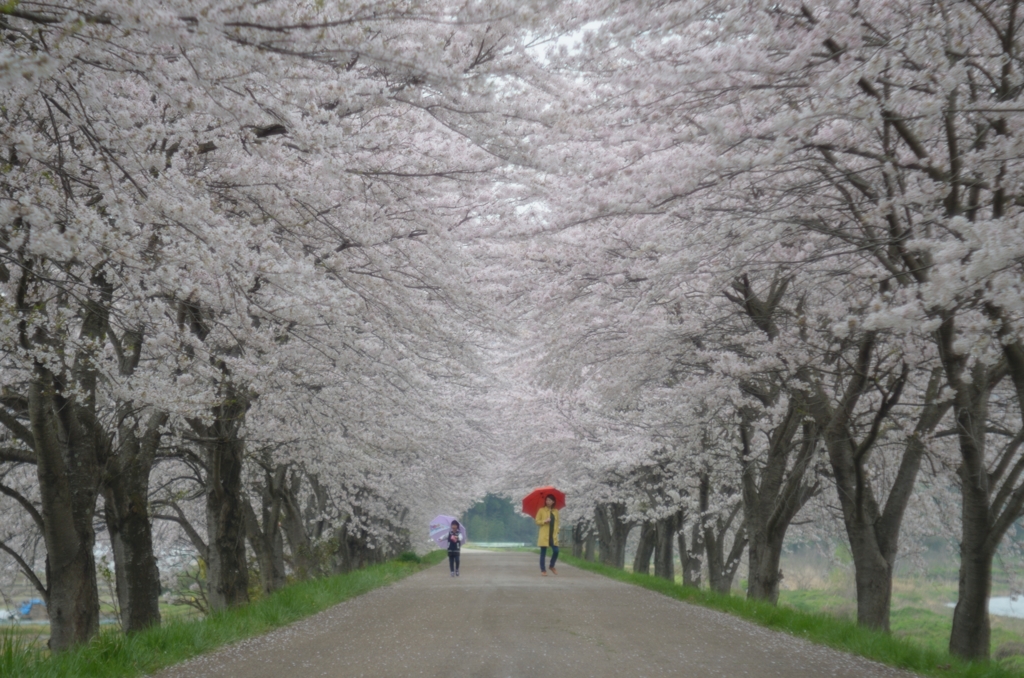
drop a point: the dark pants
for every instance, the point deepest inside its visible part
(453, 561)
(554, 557)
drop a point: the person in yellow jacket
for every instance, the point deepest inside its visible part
(547, 519)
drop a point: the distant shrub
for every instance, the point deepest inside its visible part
(1008, 650)
(408, 557)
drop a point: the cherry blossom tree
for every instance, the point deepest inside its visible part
(828, 121)
(184, 258)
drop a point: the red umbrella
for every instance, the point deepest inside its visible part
(535, 500)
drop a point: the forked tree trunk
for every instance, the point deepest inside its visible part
(773, 493)
(773, 489)
(645, 548)
(992, 491)
(873, 530)
(722, 565)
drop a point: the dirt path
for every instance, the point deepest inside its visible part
(502, 619)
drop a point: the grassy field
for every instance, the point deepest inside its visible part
(36, 634)
(920, 612)
(824, 618)
(114, 655)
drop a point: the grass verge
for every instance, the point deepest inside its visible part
(817, 628)
(115, 655)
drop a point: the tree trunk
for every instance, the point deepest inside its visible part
(665, 531)
(873, 577)
(872, 546)
(303, 559)
(772, 496)
(266, 539)
(126, 510)
(589, 546)
(342, 556)
(722, 567)
(316, 508)
(690, 554)
(612, 533)
(991, 490)
(773, 490)
(135, 568)
(70, 443)
(73, 600)
(269, 550)
(227, 570)
(971, 635)
(873, 531)
(228, 573)
(352, 552)
(580, 534)
(645, 548)
(68, 472)
(764, 573)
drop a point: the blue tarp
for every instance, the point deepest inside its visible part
(27, 607)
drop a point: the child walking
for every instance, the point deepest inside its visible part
(547, 519)
(454, 548)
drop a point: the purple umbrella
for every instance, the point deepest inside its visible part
(441, 526)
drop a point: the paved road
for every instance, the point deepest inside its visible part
(501, 619)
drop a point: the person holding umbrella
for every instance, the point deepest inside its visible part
(454, 548)
(547, 519)
(448, 533)
(543, 505)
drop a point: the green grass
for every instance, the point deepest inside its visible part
(178, 611)
(924, 627)
(919, 612)
(820, 601)
(114, 655)
(821, 628)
